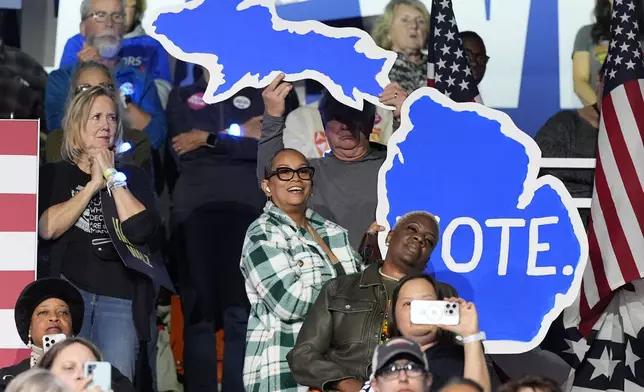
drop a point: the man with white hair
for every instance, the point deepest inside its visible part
(102, 25)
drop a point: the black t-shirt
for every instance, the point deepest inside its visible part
(90, 260)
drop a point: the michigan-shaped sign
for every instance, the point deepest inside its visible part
(511, 242)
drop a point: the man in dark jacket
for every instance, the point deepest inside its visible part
(349, 318)
(215, 199)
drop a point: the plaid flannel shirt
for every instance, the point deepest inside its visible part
(285, 269)
(22, 82)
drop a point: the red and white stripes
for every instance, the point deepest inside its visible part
(616, 234)
(18, 225)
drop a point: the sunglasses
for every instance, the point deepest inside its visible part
(85, 86)
(287, 174)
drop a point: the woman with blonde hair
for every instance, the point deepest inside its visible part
(37, 380)
(403, 28)
(75, 230)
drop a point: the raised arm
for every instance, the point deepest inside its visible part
(272, 137)
(475, 368)
(268, 266)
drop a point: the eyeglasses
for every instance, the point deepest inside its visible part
(85, 86)
(286, 173)
(101, 17)
(479, 58)
(413, 370)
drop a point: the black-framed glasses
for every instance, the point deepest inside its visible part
(287, 174)
(86, 86)
(479, 58)
(101, 16)
(390, 372)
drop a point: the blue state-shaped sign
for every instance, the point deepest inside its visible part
(244, 43)
(510, 241)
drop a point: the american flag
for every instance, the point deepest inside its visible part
(602, 335)
(616, 233)
(448, 70)
(18, 226)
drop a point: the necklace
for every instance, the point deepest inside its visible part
(387, 276)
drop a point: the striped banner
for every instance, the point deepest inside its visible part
(19, 162)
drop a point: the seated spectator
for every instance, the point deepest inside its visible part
(91, 74)
(37, 380)
(288, 254)
(66, 360)
(102, 26)
(49, 306)
(138, 50)
(351, 315)
(573, 134)
(399, 364)
(119, 301)
(530, 383)
(446, 357)
(347, 177)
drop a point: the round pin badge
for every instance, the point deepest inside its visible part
(196, 102)
(127, 88)
(241, 102)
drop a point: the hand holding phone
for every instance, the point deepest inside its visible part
(48, 341)
(434, 312)
(101, 374)
(468, 324)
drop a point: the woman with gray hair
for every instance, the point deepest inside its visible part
(73, 196)
(36, 380)
(403, 28)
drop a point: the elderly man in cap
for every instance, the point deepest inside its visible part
(50, 306)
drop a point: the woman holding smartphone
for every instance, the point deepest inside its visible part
(47, 312)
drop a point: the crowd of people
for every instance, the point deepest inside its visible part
(269, 235)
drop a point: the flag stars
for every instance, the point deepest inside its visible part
(618, 30)
(631, 6)
(445, 49)
(450, 35)
(630, 65)
(631, 358)
(624, 47)
(437, 32)
(464, 85)
(624, 18)
(453, 22)
(612, 74)
(637, 53)
(445, 3)
(459, 53)
(454, 67)
(618, 59)
(441, 64)
(631, 35)
(450, 81)
(440, 18)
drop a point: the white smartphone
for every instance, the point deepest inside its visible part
(101, 373)
(48, 341)
(434, 312)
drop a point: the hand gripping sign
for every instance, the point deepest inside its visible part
(136, 257)
(511, 242)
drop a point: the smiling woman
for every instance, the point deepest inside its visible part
(288, 254)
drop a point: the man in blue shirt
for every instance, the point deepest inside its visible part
(102, 25)
(138, 50)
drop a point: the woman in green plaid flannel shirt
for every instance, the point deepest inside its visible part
(289, 253)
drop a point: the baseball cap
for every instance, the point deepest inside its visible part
(397, 347)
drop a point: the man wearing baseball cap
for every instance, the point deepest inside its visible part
(400, 365)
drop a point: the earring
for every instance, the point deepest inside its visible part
(29, 340)
(268, 190)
